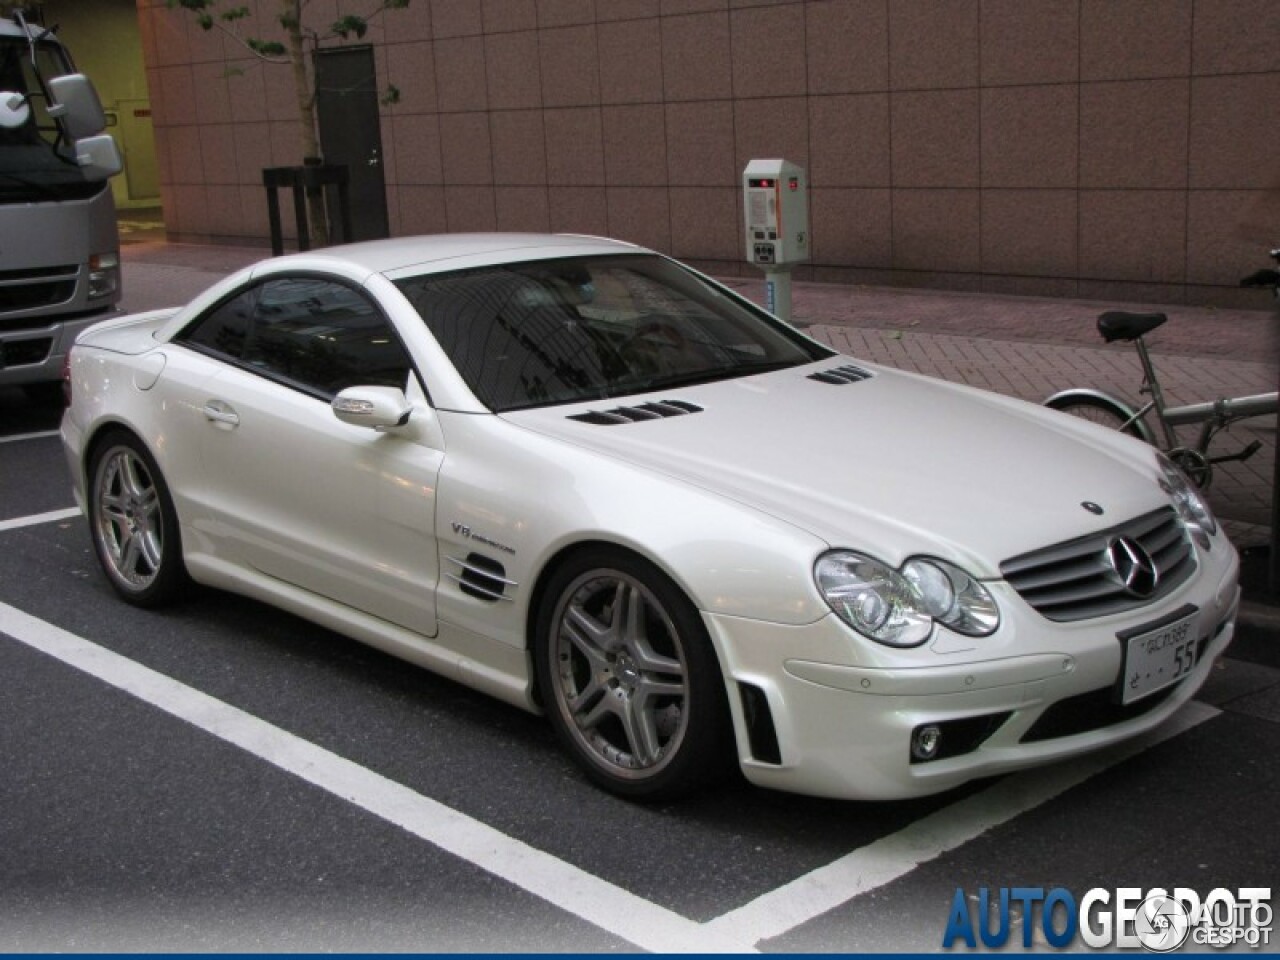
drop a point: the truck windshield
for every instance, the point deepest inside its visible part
(34, 164)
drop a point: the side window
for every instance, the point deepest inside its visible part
(311, 332)
(225, 329)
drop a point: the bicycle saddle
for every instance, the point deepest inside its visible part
(1122, 325)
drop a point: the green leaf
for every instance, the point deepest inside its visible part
(350, 24)
(394, 4)
(267, 48)
(235, 13)
(205, 20)
(392, 96)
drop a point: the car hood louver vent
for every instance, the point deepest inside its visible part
(841, 375)
(659, 410)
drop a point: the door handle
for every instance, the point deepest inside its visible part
(217, 411)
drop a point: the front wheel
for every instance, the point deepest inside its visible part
(1099, 410)
(133, 523)
(629, 679)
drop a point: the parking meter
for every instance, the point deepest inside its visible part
(775, 198)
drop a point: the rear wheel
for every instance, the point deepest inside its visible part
(133, 523)
(1099, 410)
(629, 677)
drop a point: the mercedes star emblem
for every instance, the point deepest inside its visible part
(1134, 566)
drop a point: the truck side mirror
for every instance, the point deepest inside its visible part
(76, 105)
(98, 157)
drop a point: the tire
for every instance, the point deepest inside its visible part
(1105, 413)
(133, 523)
(629, 678)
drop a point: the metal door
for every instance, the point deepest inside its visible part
(351, 134)
(138, 141)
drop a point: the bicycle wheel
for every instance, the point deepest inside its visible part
(1099, 410)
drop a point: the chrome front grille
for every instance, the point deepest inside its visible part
(1097, 575)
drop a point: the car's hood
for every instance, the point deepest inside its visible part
(895, 464)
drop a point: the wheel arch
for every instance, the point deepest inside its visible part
(97, 436)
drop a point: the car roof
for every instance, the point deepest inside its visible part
(446, 251)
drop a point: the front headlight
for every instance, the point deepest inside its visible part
(1188, 501)
(899, 608)
(104, 274)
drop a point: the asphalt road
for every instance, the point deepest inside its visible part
(222, 776)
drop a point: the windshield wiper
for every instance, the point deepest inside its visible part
(629, 388)
(718, 373)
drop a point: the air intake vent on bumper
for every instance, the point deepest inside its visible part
(841, 375)
(659, 410)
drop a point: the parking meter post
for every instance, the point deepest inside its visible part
(777, 285)
(775, 197)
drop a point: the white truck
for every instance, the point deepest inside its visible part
(59, 246)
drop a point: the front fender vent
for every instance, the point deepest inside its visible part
(481, 577)
(659, 410)
(839, 376)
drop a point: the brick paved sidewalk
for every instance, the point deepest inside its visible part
(1194, 331)
(1021, 346)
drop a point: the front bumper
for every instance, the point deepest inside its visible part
(36, 354)
(809, 722)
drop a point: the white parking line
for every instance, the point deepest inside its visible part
(609, 907)
(53, 516)
(571, 889)
(29, 436)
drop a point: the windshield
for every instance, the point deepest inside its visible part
(31, 168)
(563, 331)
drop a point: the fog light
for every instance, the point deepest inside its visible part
(925, 742)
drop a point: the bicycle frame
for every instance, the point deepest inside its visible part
(1214, 415)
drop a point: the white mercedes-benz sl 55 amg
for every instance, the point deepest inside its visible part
(582, 477)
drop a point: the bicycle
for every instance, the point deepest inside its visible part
(1213, 416)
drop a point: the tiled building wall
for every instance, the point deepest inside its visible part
(1101, 148)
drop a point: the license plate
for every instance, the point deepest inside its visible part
(1156, 658)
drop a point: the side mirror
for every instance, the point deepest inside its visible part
(76, 105)
(98, 157)
(379, 408)
(14, 111)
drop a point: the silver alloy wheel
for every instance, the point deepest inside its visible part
(129, 524)
(620, 674)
